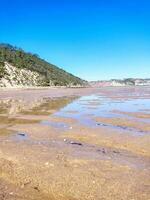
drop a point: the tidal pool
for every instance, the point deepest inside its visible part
(86, 108)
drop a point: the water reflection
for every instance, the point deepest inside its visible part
(14, 112)
(49, 106)
(83, 109)
(89, 107)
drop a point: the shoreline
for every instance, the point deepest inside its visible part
(32, 93)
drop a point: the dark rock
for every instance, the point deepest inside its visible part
(103, 151)
(76, 143)
(116, 151)
(122, 127)
(22, 134)
(101, 124)
(36, 188)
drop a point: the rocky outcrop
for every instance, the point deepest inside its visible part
(15, 77)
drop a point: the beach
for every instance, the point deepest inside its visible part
(75, 143)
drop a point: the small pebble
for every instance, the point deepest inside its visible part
(22, 134)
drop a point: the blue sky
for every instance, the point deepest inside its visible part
(93, 39)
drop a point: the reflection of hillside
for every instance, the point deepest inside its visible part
(37, 107)
(11, 110)
(49, 106)
(10, 106)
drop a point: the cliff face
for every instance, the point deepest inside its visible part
(15, 77)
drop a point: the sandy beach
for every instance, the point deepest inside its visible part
(75, 144)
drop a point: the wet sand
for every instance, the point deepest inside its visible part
(87, 144)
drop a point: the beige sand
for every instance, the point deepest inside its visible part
(78, 163)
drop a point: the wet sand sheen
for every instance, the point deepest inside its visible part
(61, 149)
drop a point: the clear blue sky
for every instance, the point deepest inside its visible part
(93, 39)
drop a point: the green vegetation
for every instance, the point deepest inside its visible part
(2, 70)
(52, 75)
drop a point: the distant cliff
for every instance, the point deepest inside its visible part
(117, 82)
(19, 69)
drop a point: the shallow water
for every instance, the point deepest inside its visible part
(104, 106)
(86, 108)
(83, 109)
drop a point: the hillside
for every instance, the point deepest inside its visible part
(18, 68)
